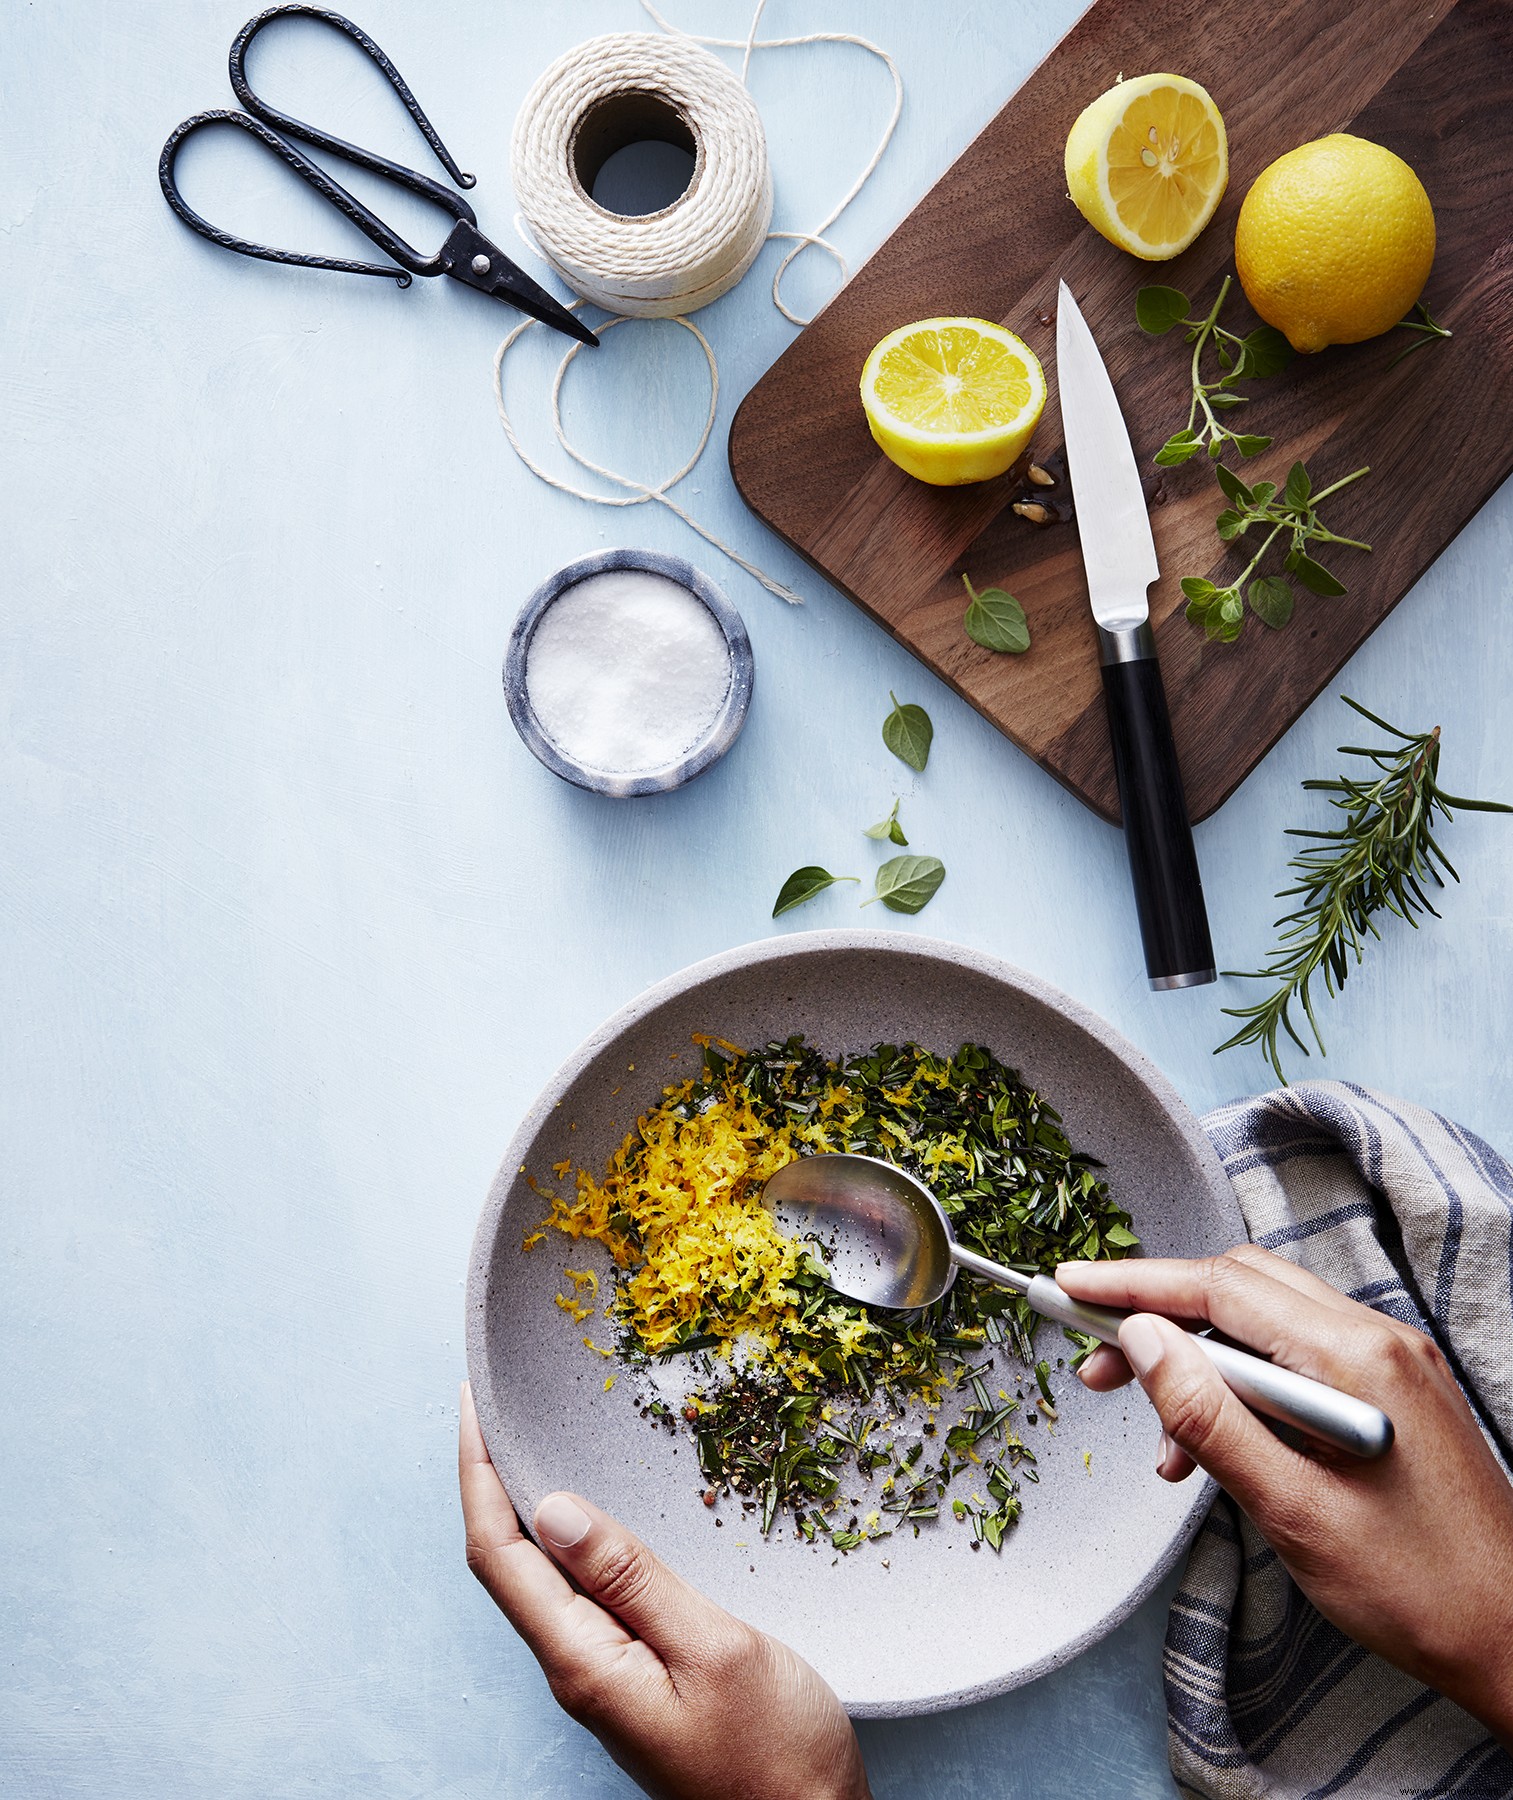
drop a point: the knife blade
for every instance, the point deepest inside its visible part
(1119, 555)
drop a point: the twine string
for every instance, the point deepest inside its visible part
(816, 237)
(676, 298)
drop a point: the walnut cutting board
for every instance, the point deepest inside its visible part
(1432, 80)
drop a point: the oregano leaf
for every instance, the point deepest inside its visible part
(996, 620)
(1177, 449)
(1158, 309)
(1314, 576)
(907, 884)
(908, 733)
(1271, 600)
(1235, 490)
(803, 884)
(1267, 352)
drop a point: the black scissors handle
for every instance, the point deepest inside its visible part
(263, 116)
(410, 260)
(466, 255)
(325, 140)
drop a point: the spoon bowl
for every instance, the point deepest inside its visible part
(882, 1236)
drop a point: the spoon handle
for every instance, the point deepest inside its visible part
(1322, 1412)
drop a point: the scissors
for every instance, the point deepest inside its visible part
(467, 255)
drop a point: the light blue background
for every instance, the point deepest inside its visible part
(294, 928)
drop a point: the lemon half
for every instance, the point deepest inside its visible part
(1334, 241)
(952, 400)
(1147, 163)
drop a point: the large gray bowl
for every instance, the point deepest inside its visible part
(943, 1625)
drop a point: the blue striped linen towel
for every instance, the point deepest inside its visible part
(1412, 1215)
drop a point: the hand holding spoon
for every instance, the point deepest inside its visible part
(886, 1241)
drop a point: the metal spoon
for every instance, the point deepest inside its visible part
(885, 1240)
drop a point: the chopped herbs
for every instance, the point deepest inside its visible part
(799, 1400)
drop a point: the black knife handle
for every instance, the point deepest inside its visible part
(1163, 863)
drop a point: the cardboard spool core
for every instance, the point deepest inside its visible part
(636, 116)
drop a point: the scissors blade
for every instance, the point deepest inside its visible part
(470, 257)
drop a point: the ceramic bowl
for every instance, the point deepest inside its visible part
(714, 743)
(943, 1624)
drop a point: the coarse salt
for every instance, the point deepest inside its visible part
(627, 671)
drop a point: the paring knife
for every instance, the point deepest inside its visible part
(1119, 555)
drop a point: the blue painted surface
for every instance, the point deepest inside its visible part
(294, 927)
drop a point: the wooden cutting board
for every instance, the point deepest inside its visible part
(1432, 80)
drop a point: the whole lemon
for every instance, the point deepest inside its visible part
(1334, 242)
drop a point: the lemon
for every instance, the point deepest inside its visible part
(952, 400)
(1147, 163)
(1334, 242)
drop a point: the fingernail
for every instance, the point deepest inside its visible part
(1140, 1341)
(1163, 1450)
(561, 1521)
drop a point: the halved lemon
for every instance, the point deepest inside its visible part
(1147, 163)
(952, 400)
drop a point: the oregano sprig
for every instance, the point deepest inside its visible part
(889, 829)
(1257, 354)
(1428, 329)
(1295, 511)
(1375, 861)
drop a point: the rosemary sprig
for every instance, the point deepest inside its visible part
(1259, 353)
(1221, 610)
(1428, 329)
(1376, 861)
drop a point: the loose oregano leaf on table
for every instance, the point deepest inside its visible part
(803, 884)
(1375, 861)
(907, 884)
(908, 733)
(1258, 354)
(890, 829)
(996, 620)
(1221, 610)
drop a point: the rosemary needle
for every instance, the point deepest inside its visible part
(1377, 860)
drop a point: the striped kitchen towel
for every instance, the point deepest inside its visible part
(1412, 1215)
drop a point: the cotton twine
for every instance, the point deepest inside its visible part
(668, 262)
(662, 265)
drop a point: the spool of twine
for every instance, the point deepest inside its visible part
(626, 88)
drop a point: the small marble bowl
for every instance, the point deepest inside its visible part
(721, 734)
